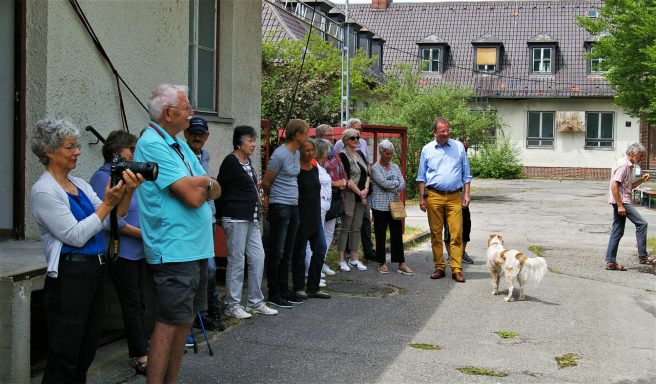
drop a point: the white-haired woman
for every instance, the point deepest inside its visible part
(388, 183)
(355, 165)
(70, 217)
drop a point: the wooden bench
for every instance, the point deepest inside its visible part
(644, 197)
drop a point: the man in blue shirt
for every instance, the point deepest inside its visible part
(443, 182)
(176, 228)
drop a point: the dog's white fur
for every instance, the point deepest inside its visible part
(515, 265)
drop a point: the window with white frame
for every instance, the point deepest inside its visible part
(431, 58)
(203, 24)
(542, 58)
(598, 66)
(377, 53)
(540, 130)
(599, 129)
(486, 59)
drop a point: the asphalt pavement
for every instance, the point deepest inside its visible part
(363, 334)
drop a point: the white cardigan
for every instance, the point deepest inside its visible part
(52, 211)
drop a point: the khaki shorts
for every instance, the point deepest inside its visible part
(180, 290)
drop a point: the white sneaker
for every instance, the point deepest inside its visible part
(323, 275)
(327, 271)
(262, 309)
(322, 283)
(237, 312)
(358, 264)
(344, 267)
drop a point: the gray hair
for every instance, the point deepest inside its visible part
(50, 134)
(165, 95)
(635, 148)
(322, 147)
(385, 145)
(352, 121)
(322, 129)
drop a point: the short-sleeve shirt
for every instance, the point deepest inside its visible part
(287, 166)
(621, 173)
(171, 230)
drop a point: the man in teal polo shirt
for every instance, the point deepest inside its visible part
(176, 228)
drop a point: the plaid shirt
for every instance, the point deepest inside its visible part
(386, 184)
(335, 169)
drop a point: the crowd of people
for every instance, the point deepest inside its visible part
(310, 185)
(168, 223)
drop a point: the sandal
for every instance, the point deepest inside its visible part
(383, 269)
(648, 260)
(140, 368)
(615, 267)
(405, 270)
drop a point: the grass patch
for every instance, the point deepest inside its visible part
(553, 270)
(651, 245)
(506, 334)
(481, 372)
(426, 347)
(567, 360)
(537, 249)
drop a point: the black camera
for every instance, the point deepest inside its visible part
(148, 169)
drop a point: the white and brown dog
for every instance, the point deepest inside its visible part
(515, 265)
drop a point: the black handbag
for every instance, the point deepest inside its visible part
(336, 207)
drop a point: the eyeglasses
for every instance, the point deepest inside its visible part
(72, 147)
(187, 108)
(354, 138)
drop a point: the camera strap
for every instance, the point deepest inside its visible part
(112, 250)
(176, 148)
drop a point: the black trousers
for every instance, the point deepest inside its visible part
(128, 278)
(73, 304)
(283, 223)
(318, 246)
(382, 221)
(466, 227)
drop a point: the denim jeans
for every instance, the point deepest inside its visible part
(244, 241)
(617, 231)
(283, 223)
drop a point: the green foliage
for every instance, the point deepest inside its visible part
(426, 347)
(497, 161)
(402, 100)
(506, 334)
(537, 249)
(318, 96)
(567, 360)
(482, 372)
(627, 30)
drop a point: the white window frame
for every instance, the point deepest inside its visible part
(597, 140)
(542, 61)
(542, 140)
(487, 68)
(431, 59)
(194, 48)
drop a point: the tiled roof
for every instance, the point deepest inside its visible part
(278, 24)
(513, 23)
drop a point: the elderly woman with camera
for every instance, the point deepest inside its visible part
(71, 217)
(388, 182)
(127, 272)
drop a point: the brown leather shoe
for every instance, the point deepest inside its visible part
(458, 277)
(438, 274)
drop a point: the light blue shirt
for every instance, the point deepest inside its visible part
(171, 230)
(445, 168)
(287, 166)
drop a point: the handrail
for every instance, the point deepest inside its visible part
(100, 138)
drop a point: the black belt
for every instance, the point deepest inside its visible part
(77, 257)
(441, 192)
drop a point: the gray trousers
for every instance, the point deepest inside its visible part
(350, 228)
(244, 238)
(617, 231)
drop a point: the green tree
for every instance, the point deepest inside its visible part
(402, 100)
(627, 43)
(317, 98)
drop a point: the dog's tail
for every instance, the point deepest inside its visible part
(534, 270)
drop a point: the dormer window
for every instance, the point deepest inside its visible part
(543, 50)
(596, 65)
(432, 54)
(487, 54)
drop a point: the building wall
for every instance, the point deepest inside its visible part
(569, 147)
(148, 44)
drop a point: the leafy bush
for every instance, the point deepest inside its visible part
(497, 161)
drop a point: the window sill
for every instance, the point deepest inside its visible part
(600, 148)
(214, 118)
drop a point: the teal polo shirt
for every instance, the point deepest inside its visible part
(171, 230)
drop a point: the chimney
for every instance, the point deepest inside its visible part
(380, 5)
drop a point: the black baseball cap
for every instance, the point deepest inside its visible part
(197, 125)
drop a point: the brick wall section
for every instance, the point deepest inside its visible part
(567, 173)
